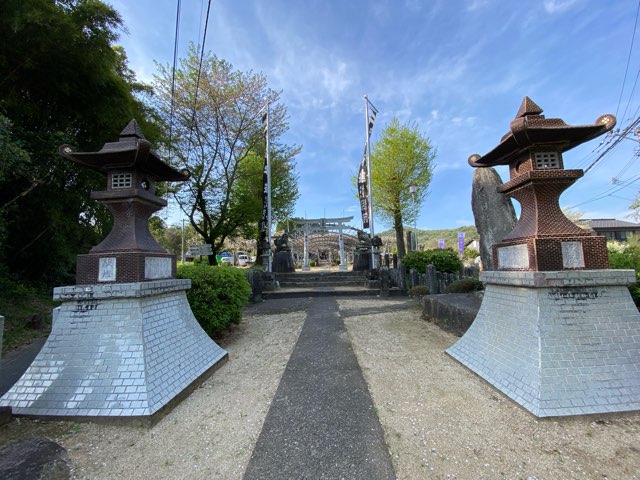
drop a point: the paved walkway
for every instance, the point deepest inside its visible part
(16, 362)
(322, 423)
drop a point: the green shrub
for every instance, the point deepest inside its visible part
(445, 260)
(217, 295)
(312, 263)
(465, 285)
(336, 261)
(470, 253)
(418, 291)
(622, 256)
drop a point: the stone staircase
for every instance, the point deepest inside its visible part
(317, 283)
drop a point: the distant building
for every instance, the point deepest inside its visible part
(474, 244)
(612, 229)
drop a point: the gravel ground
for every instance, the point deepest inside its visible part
(440, 420)
(443, 421)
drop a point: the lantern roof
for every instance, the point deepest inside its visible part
(132, 151)
(530, 129)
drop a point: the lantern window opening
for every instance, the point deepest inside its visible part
(121, 180)
(547, 160)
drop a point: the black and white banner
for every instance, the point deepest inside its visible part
(363, 183)
(264, 246)
(363, 191)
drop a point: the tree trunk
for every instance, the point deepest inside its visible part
(397, 226)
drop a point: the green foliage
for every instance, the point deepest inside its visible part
(626, 256)
(634, 290)
(465, 285)
(470, 253)
(419, 291)
(402, 156)
(27, 312)
(223, 197)
(445, 260)
(217, 295)
(623, 256)
(63, 81)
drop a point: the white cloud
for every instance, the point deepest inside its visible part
(474, 5)
(558, 6)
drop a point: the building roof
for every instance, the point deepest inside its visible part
(611, 224)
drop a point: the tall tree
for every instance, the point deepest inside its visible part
(217, 134)
(402, 156)
(247, 197)
(61, 81)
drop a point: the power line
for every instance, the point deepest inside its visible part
(173, 76)
(609, 192)
(195, 98)
(633, 36)
(615, 143)
(635, 83)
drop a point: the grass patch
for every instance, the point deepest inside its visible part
(27, 314)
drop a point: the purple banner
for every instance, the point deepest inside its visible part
(460, 242)
(441, 243)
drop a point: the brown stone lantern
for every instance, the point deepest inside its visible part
(544, 239)
(547, 334)
(129, 253)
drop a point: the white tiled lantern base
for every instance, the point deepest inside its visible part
(557, 343)
(119, 350)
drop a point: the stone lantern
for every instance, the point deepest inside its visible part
(129, 253)
(557, 329)
(544, 239)
(124, 342)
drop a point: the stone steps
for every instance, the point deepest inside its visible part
(316, 284)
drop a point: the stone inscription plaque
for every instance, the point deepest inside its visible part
(572, 255)
(513, 256)
(107, 269)
(156, 268)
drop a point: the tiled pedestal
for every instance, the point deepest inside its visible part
(558, 343)
(118, 350)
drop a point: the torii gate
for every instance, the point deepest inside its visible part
(323, 225)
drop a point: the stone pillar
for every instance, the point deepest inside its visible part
(343, 261)
(305, 265)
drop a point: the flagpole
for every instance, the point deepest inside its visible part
(366, 125)
(269, 188)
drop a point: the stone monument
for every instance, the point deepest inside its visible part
(125, 342)
(492, 211)
(283, 259)
(557, 331)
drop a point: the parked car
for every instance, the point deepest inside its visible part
(226, 261)
(243, 259)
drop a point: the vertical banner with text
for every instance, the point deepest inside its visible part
(363, 191)
(264, 246)
(461, 242)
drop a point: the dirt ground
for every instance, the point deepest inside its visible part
(440, 420)
(443, 421)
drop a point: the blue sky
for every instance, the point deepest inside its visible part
(458, 68)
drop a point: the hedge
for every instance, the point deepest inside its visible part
(217, 295)
(445, 260)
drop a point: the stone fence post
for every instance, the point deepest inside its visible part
(432, 279)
